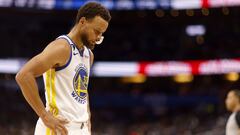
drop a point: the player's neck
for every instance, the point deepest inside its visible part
(75, 37)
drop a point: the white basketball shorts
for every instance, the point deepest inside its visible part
(72, 128)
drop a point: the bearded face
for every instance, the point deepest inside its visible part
(91, 31)
(85, 39)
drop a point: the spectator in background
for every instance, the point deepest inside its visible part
(233, 105)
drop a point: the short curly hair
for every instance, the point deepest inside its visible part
(92, 9)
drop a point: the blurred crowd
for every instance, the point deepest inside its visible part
(177, 125)
(180, 124)
(132, 35)
(135, 109)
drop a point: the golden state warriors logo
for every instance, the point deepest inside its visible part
(80, 84)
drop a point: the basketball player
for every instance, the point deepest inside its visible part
(233, 105)
(65, 64)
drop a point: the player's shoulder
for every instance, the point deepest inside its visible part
(58, 50)
(91, 53)
(59, 45)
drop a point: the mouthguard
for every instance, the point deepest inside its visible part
(100, 40)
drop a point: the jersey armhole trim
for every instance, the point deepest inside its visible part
(68, 62)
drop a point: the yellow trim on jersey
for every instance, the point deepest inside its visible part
(48, 75)
(48, 131)
(51, 95)
(54, 103)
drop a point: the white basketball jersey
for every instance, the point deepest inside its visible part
(66, 87)
(232, 126)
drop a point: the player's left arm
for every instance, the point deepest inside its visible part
(91, 57)
(91, 63)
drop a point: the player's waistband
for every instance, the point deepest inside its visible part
(80, 125)
(73, 124)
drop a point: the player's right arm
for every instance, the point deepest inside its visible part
(54, 55)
